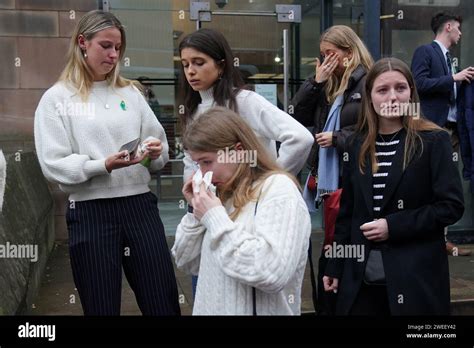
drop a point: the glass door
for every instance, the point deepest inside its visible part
(154, 30)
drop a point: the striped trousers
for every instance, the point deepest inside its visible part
(108, 234)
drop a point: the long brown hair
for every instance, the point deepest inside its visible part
(220, 128)
(368, 123)
(344, 38)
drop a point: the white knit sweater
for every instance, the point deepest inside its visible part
(73, 139)
(267, 251)
(270, 124)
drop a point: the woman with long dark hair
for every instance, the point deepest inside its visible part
(209, 78)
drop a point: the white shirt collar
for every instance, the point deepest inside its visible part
(443, 48)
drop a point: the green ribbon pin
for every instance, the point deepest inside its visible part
(146, 162)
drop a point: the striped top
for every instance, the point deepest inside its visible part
(385, 150)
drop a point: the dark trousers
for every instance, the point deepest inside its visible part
(371, 300)
(452, 129)
(108, 234)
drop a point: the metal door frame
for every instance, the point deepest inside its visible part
(200, 11)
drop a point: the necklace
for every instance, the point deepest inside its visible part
(106, 104)
(393, 137)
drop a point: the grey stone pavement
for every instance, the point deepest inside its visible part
(58, 296)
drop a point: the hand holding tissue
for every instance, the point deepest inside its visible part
(198, 179)
(206, 199)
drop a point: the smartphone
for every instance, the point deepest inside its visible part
(131, 147)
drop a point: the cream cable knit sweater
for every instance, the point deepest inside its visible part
(73, 139)
(270, 124)
(268, 253)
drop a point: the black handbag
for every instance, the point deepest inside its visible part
(374, 271)
(313, 158)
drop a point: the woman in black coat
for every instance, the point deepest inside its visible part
(342, 73)
(400, 189)
(346, 62)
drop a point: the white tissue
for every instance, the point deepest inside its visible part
(197, 180)
(207, 179)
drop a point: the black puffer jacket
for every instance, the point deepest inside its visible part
(311, 109)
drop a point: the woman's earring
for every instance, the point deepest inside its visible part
(85, 54)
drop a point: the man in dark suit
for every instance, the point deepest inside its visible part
(433, 71)
(437, 82)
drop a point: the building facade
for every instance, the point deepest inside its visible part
(34, 36)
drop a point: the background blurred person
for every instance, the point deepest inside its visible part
(330, 103)
(438, 84)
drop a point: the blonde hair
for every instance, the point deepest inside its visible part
(77, 73)
(344, 38)
(368, 123)
(220, 128)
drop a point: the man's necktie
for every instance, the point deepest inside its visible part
(448, 61)
(452, 99)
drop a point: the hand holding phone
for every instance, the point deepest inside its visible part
(131, 147)
(126, 156)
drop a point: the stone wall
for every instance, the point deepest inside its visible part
(26, 222)
(34, 38)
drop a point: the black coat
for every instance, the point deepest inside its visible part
(311, 108)
(466, 130)
(418, 203)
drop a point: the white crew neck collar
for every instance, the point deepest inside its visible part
(207, 96)
(100, 84)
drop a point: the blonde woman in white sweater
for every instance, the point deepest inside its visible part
(209, 78)
(112, 217)
(254, 235)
